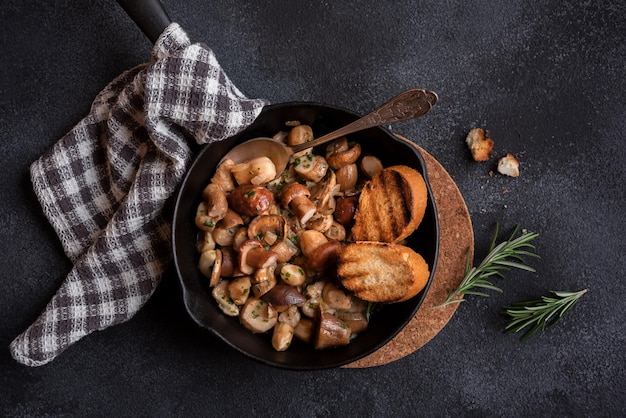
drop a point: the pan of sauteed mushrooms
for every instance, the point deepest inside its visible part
(316, 266)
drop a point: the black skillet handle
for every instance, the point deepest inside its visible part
(149, 15)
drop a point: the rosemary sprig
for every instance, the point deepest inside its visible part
(504, 256)
(540, 314)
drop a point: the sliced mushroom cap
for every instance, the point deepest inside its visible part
(257, 315)
(331, 332)
(205, 242)
(224, 236)
(264, 224)
(216, 271)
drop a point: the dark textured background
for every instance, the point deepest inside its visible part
(545, 78)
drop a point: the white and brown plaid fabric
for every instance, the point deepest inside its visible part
(105, 184)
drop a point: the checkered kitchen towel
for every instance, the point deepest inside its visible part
(104, 185)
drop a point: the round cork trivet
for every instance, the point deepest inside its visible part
(455, 237)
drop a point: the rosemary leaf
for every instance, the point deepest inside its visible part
(501, 257)
(540, 313)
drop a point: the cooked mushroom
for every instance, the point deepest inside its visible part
(267, 228)
(239, 237)
(324, 256)
(347, 177)
(310, 240)
(264, 280)
(215, 199)
(203, 221)
(290, 316)
(231, 219)
(229, 258)
(256, 171)
(321, 223)
(295, 197)
(253, 256)
(223, 177)
(206, 261)
(239, 289)
(282, 336)
(311, 167)
(292, 274)
(370, 166)
(304, 329)
(299, 135)
(355, 320)
(336, 297)
(285, 250)
(224, 302)
(257, 315)
(224, 236)
(345, 210)
(323, 193)
(250, 200)
(205, 242)
(331, 332)
(342, 153)
(283, 296)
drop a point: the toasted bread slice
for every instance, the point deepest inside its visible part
(382, 272)
(391, 205)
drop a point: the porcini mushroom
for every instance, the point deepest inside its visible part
(267, 228)
(347, 177)
(324, 256)
(239, 289)
(223, 177)
(331, 331)
(299, 135)
(253, 256)
(295, 197)
(342, 153)
(310, 167)
(215, 199)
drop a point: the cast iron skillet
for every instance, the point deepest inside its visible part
(152, 19)
(384, 324)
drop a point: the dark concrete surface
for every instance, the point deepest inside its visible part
(545, 78)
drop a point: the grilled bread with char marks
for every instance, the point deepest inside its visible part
(391, 205)
(382, 272)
